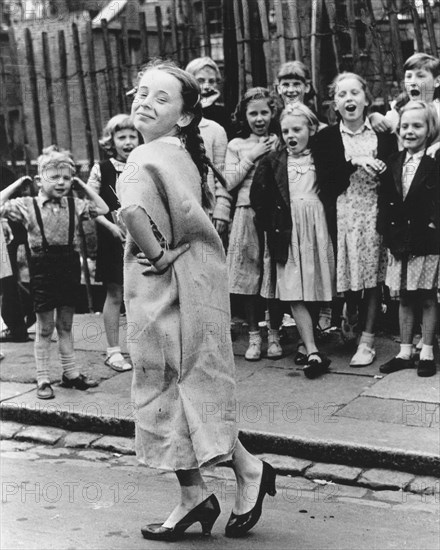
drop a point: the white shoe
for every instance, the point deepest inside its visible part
(274, 350)
(253, 353)
(363, 357)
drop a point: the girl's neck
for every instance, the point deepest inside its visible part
(119, 159)
(354, 125)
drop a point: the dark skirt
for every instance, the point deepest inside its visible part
(109, 257)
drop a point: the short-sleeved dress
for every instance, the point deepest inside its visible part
(309, 273)
(361, 257)
(184, 375)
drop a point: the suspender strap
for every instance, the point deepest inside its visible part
(40, 224)
(71, 203)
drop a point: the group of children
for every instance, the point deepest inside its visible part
(317, 211)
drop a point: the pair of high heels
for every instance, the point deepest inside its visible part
(207, 512)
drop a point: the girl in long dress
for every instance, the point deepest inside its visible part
(178, 298)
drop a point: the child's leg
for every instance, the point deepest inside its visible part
(65, 341)
(430, 323)
(274, 350)
(111, 313)
(44, 330)
(352, 301)
(253, 353)
(304, 322)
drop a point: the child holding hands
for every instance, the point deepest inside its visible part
(409, 219)
(285, 196)
(51, 220)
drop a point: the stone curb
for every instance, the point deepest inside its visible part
(296, 469)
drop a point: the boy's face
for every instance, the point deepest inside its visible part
(125, 141)
(292, 89)
(413, 130)
(55, 181)
(420, 84)
(207, 79)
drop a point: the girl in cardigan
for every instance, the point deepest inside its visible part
(254, 114)
(179, 300)
(409, 219)
(119, 138)
(349, 157)
(285, 196)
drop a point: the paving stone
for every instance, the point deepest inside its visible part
(425, 485)
(9, 429)
(286, 464)
(41, 434)
(377, 478)
(56, 452)
(333, 472)
(12, 445)
(93, 455)
(122, 445)
(350, 491)
(288, 484)
(80, 439)
(398, 497)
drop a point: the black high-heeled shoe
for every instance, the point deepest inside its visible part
(206, 513)
(239, 525)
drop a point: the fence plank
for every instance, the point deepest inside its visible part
(351, 18)
(417, 27)
(279, 18)
(160, 35)
(126, 51)
(49, 89)
(83, 94)
(315, 44)
(247, 44)
(266, 40)
(34, 88)
(122, 98)
(397, 55)
(430, 26)
(64, 85)
(331, 12)
(145, 54)
(175, 33)
(94, 82)
(206, 35)
(240, 50)
(111, 92)
(14, 61)
(292, 6)
(230, 88)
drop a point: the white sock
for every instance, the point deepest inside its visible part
(405, 351)
(41, 354)
(115, 349)
(70, 370)
(427, 353)
(367, 338)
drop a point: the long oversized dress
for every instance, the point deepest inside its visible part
(184, 376)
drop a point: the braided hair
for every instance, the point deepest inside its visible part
(190, 134)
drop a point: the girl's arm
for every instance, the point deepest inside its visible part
(223, 198)
(11, 189)
(101, 206)
(138, 224)
(236, 169)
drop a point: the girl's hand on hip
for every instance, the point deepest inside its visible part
(117, 232)
(220, 226)
(168, 258)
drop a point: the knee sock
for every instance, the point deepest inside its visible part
(41, 354)
(427, 353)
(405, 351)
(367, 338)
(70, 370)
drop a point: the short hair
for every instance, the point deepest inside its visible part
(115, 124)
(299, 109)
(423, 61)
(239, 116)
(430, 115)
(53, 156)
(344, 76)
(294, 69)
(200, 63)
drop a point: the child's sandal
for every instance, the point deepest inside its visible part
(315, 368)
(117, 362)
(300, 357)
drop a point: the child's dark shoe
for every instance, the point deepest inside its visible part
(395, 364)
(317, 364)
(45, 391)
(426, 367)
(81, 382)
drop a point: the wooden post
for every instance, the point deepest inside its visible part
(64, 85)
(417, 27)
(160, 35)
(292, 6)
(175, 32)
(122, 99)
(266, 40)
(14, 62)
(49, 89)
(82, 87)
(126, 50)
(34, 89)
(395, 39)
(331, 12)
(315, 45)
(231, 83)
(430, 26)
(351, 18)
(111, 92)
(279, 18)
(94, 82)
(247, 45)
(206, 35)
(185, 34)
(240, 50)
(144, 38)
(7, 120)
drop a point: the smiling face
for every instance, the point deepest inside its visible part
(207, 80)
(296, 133)
(259, 116)
(413, 130)
(125, 141)
(420, 84)
(55, 180)
(292, 89)
(350, 100)
(157, 109)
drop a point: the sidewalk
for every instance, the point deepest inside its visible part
(349, 416)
